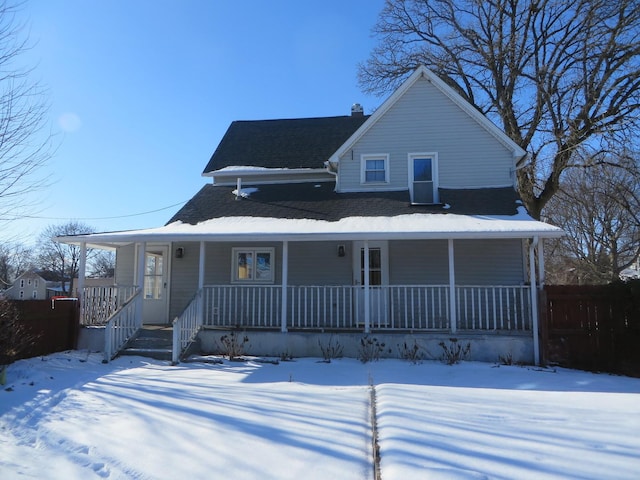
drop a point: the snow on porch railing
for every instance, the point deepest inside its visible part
(494, 307)
(122, 326)
(186, 326)
(99, 303)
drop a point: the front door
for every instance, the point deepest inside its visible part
(378, 281)
(155, 293)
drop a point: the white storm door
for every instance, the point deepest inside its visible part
(155, 292)
(378, 282)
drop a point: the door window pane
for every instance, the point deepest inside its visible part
(422, 171)
(153, 281)
(375, 266)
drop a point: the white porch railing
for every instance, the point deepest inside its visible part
(233, 306)
(391, 307)
(186, 326)
(99, 303)
(494, 307)
(122, 326)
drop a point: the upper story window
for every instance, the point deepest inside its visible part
(253, 265)
(423, 178)
(374, 169)
(22, 283)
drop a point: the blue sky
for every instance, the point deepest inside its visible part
(141, 92)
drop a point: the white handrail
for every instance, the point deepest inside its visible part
(186, 326)
(122, 325)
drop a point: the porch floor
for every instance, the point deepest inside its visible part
(154, 341)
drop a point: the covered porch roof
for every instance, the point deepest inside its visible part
(417, 226)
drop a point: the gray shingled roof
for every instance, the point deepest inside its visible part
(291, 143)
(318, 201)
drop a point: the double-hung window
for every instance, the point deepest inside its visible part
(374, 169)
(253, 265)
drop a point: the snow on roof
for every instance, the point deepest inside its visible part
(412, 226)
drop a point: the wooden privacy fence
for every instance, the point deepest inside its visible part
(592, 327)
(48, 325)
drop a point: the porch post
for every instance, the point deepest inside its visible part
(285, 280)
(82, 272)
(367, 305)
(142, 249)
(201, 266)
(452, 290)
(534, 300)
(201, 261)
(541, 277)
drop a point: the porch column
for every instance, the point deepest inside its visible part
(541, 276)
(82, 272)
(142, 248)
(285, 281)
(453, 314)
(201, 260)
(201, 266)
(367, 296)
(534, 300)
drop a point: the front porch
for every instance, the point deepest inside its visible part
(431, 313)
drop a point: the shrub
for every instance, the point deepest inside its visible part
(233, 345)
(411, 352)
(370, 349)
(454, 352)
(330, 350)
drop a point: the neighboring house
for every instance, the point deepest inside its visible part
(28, 286)
(406, 221)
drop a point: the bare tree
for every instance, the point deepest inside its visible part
(15, 259)
(23, 109)
(599, 209)
(556, 75)
(103, 264)
(62, 259)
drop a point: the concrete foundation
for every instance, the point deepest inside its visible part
(483, 347)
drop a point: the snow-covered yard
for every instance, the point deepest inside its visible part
(69, 416)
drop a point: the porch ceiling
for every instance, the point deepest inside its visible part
(402, 227)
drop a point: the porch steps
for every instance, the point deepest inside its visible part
(151, 341)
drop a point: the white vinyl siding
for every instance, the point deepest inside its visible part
(477, 262)
(425, 120)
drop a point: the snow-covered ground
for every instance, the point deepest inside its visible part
(68, 416)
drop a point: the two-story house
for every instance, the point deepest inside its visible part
(404, 222)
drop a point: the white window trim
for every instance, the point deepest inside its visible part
(434, 173)
(363, 167)
(254, 250)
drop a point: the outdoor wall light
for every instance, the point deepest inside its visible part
(341, 251)
(179, 252)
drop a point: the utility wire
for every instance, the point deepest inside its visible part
(99, 218)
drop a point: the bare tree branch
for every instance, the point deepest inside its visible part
(558, 76)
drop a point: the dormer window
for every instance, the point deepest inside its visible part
(374, 168)
(423, 178)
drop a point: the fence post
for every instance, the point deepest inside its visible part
(543, 325)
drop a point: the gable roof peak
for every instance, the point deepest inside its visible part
(424, 72)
